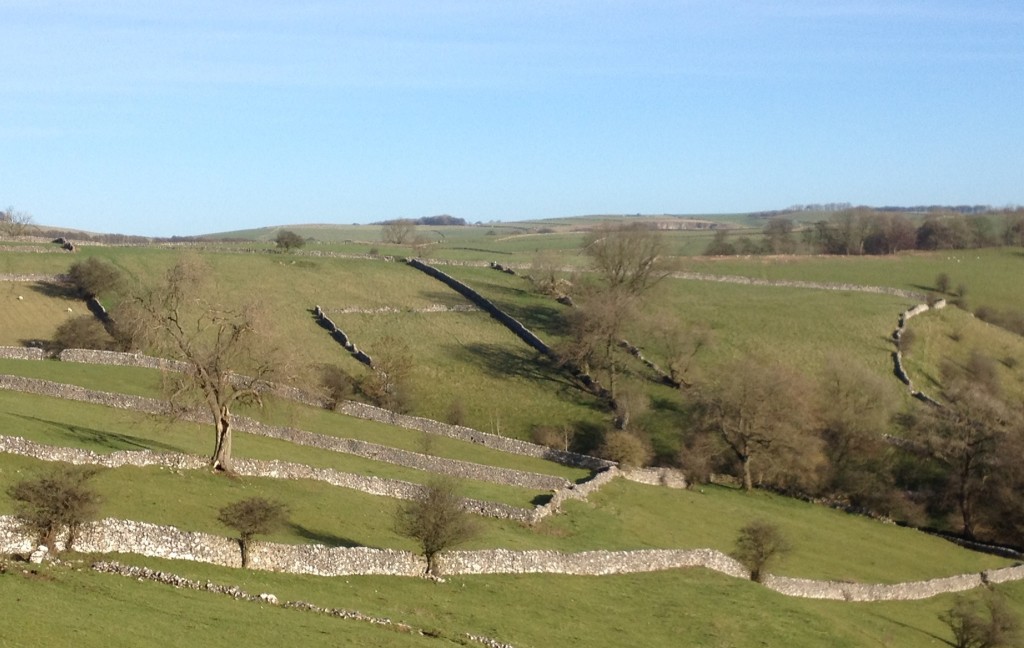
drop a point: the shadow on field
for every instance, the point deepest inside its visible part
(927, 289)
(100, 438)
(502, 361)
(59, 290)
(903, 624)
(328, 539)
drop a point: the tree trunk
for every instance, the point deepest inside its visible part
(748, 482)
(221, 459)
(243, 544)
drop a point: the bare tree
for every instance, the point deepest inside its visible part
(855, 406)
(596, 328)
(760, 411)
(389, 385)
(230, 353)
(626, 256)
(15, 223)
(969, 436)
(986, 623)
(60, 499)
(398, 232)
(435, 520)
(251, 517)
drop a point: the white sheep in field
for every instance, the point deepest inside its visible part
(20, 298)
(69, 309)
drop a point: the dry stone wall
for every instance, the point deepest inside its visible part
(127, 536)
(387, 454)
(511, 323)
(349, 408)
(340, 337)
(272, 469)
(897, 355)
(21, 353)
(785, 283)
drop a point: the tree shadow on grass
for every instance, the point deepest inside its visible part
(101, 438)
(902, 624)
(501, 361)
(58, 290)
(320, 537)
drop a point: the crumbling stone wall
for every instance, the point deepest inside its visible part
(341, 337)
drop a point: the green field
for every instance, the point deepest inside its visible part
(502, 386)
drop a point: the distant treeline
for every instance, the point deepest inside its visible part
(443, 219)
(864, 230)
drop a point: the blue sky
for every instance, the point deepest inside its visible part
(184, 117)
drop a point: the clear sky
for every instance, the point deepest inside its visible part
(177, 117)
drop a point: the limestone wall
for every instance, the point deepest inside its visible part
(22, 353)
(349, 408)
(840, 591)
(341, 337)
(387, 454)
(897, 355)
(127, 536)
(272, 469)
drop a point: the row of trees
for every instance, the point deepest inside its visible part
(60, 501)
(866, 231)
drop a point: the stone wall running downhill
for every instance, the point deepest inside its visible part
(486, 305)
(340, 337)
(128, 536)
(509, 322)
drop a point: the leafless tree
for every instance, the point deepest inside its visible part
(60, 499)
(398, 232)
(758, 544)
(435, 520)
(760, 412)
(231, 354)
(626, 256)
(15, 223)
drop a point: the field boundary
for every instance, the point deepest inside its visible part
(111, 535)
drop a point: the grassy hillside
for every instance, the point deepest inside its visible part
(502, 386)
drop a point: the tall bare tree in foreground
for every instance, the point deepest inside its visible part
(230, 354)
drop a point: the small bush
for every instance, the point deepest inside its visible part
(60, 499)
(942, 283)
(760, 543)
(288, 240)
(337, 385)
(251, 517)
(93, 277)
(554, 437)
(436, 520)
(626, 448)
(82, 332)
